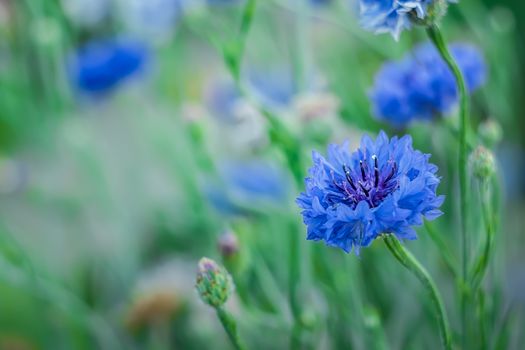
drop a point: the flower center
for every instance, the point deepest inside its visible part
(372, 185)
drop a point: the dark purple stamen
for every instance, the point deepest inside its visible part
(348, 177)
(364, 189)
(376, 172)
(373, 187)
(363, 176)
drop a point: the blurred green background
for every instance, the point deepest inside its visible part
(112, 188)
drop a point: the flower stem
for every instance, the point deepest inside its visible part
(444, 250)
(294, 279)
(280, 135)
(230, 326)
(437, 39)
(482, 262)
(410, 262)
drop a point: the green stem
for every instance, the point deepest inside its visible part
(230, 326)
(410, 262)
(482, 262)
(295, 276)
(482, 317)
(300, 50)
(279, 135)
(437, 39)
(278, 132)
(444, 250)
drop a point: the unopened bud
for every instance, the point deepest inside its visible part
(436, 9)
(490, 132)
(214, 284)
(228, 244)
(483, 163)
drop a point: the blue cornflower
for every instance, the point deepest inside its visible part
(421, 86)
(274, 88)
(222, 97)
(385, 186)
(152, 19)
(101, 65)
(247, 186)
(393, 16)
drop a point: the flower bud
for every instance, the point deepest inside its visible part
(228, 244)
(490, 132)
(214, 283)
(434, 12)
(482, 163)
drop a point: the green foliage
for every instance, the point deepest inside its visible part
(104, 199)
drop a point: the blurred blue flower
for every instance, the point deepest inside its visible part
(275, 87)
(88, 13)
(224, 2)
(320, 2)
(248, 185)
(101, 65)
(155, 19)
(221, 98)
(421, 86)
(393, 16)
(384, 187)
(235, 2)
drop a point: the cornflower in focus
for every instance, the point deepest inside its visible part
(385, 186)
(420, 86)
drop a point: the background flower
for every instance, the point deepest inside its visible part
(254, 185)
(420, 86)
(151, 19)
(101, 65)
(393, 16)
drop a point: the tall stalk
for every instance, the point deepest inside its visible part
(230, 326)
(439, 42)
(410, 262)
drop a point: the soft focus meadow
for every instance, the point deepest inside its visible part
(262, 174)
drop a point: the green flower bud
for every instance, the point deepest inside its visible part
(435, 11)
(482, 163)
(490, 132)
(214, 283)
(228, 244)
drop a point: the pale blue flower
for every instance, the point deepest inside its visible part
(393, 16)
